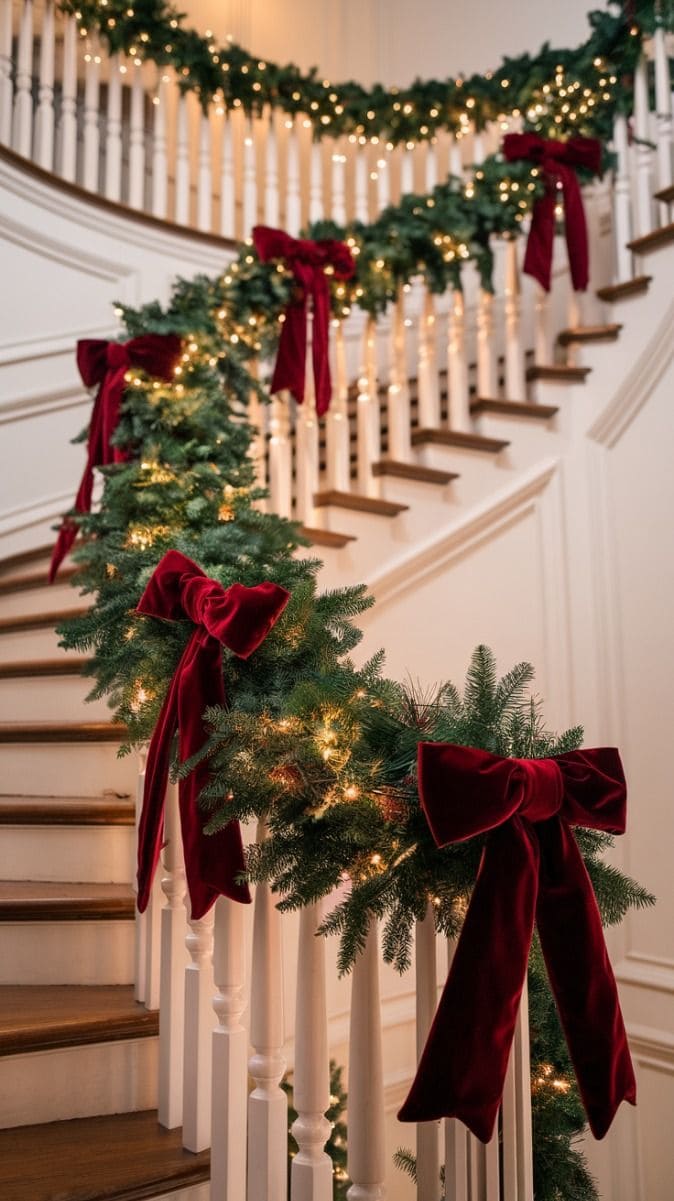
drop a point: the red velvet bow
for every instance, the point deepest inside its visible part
(307, 260)
(558, 161)
(531, 869)
(240, 618)
(105, 364)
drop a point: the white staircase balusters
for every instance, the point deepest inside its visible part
(113, 133)
(137, 141)
(622, 200)
(515, 381)
(457, 364)
(366, 1160)
(663, 114)
(316, 205)
(249, 178)
(361, 185)
(22, 132)
(543, 335)
(204, 175)
(306, 445)
(383, 176)
(6, 89)
(337, 430)
(311, 1173)
(456, 1160)
(148, 924)
(280, 457)
(293, 216)
(271, 184)
(338, 184)
(230, 1051)
(642, 150)
(407, 170)
(368, 418)
(267, 1104)
(160, 148)
(427, 369)
(487, 380)
(198, 1035)
(398, 397)
(258, 418)
(67, 128)
(173, 962)
(455, 161)
(91, 131)
(426, 979)
(516, 1111)
(431, 171)
(141, 932)
(44, 118)
(227, 180)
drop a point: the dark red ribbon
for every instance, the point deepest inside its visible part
(307, 260)
(240, 618)
(557, 162)
(106, 363)
(531, 870)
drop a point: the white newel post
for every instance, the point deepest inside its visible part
(172, 979)
(368, 418)
(22, 135)
(44, 129)
(198, 1034)
(366, 1163)
(113, 133)
(230, 1052)
(5, 72)
(642, 150)
(515, 385)
(622, 200)
(663, 110)
(399, 441)
(267, 1104)
(92, 135)
(160, 149)
(137, 141)
(311, 1178)
(457, 365)
(338, 441)
(429, 397)
(428, 1150)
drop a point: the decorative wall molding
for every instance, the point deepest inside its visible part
(72, 257)
(639, 385)
(646, 971)
(45, 509)
(652, 1048)
(26, 407)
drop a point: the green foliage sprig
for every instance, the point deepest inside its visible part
(155, 31)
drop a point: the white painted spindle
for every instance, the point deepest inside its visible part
(316, 207)
(361, 185)
(398, 397)
(311, 1178)
(249, 178)
(522, 1064)
(486, 353)
(456, 1160)
(407, 170)
(113, 133)
(137, 141)
(5, 72)
(457, 364)
(383, 174)
(148, 924)
(428, 1150)
(257, 416)
(622, 200)
(368, 417)
(543, 336)
(293, 220)
(280, 457)
(337, 433)
(173, 957)
(141, 929)
(67, 132)
(642, 150)
(44, 127)
(198, 1035)
(22, 133)
(306, 456)
(227, 184)
(160, 148)
(427, 370)
(366, 1163)
(338, 186)
(515, 381)
(267, 1104)
(663, 109)
(271, 184)
(230, 1051)
(91, 131)
(204, 175)
(431, 166)
(455, 161)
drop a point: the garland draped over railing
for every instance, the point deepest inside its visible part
(557, 92)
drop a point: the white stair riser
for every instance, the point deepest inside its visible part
(30, 644)
(78, 1082)
(50, 698)
(45, 599)
(65, 769)
(94, 854)
(78, 952)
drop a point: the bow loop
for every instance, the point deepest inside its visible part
(241, 618)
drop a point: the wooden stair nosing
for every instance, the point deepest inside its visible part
(120, 1157)
(51, 1017)
(361, 504)
(652, 241)
(589, 333)
(666, 195)
(512, 408)
(32, 579)
(558, 373)
(458, 440)
(327, 537)
(38, 621)
(55, 731)
(24, 556)
(629, 287)
(38, 901)
(32, 668)
(413, 471)
(110, 810)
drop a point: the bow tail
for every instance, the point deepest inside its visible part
(460, 1074)
(581, 977)
(575, 229)
(319, 344)
(290, 367)
(538, 255)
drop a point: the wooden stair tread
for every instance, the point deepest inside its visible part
(666, 195)
(121, 1157)
(512, 408)
(25, 556)
(39, 900)
(459, 440)
(629, 287)
(38, 621)
(558, 373)
(652, 241)
(45, 1017)
(326, 537)
(589, 333)
(108, 810)
(362, 504)
(413, 471)
(67, 666)
(61, 731)
(33, 579)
